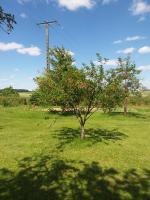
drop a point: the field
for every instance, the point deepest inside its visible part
(146, 93)
(25, 94)
(42, 156)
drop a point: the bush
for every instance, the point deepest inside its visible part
(39, 98)
(10, 97)
(9, 92)
(12, 101)
(35, 99)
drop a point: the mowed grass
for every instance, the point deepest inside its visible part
(40, 152)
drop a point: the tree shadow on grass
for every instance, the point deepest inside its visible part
(69, 135)
(47, 178)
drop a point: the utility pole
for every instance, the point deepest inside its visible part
(46, 25)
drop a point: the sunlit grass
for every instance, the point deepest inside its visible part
(116, 144)
(24, 132)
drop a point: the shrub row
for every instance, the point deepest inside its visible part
(12, 101)
(35, 100)
(140, 100)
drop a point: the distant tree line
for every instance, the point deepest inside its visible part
(22, 90)
(16, 90)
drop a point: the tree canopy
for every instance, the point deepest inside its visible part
(83, 90)
(65, 85)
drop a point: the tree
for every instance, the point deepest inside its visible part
(6, 20)
(78, 90)
(129, 82)
(112, 96)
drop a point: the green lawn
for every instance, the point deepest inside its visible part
(42, 156)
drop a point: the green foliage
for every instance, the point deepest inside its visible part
(22, 90)
(140, 100)
(112, 96)
(54, 81)
(9, 92)
(84, 90)
(12, 101)
(36, 98)
(72, 88)
(9, 97)
(127, 74)
(121, 84)
(6, 19)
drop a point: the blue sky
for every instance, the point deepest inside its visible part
(111, 27)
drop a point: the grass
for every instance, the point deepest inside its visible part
(42, 156)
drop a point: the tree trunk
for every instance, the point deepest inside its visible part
(126, 106)
(82, 133)
(109, 110)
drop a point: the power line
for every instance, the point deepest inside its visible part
(46, 24)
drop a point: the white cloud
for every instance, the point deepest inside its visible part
(140, 7)
(112, 62)
(32, 51)
(127, 50)
(134, 38)
(68, 4)
(76, 4)
(118, 42)
(144, 50)
(10, 46)
(71, 53)
(144, 68)
(129, 39)
(23, 15)
(71, 5)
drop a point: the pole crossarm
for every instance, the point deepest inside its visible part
(47, 22)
